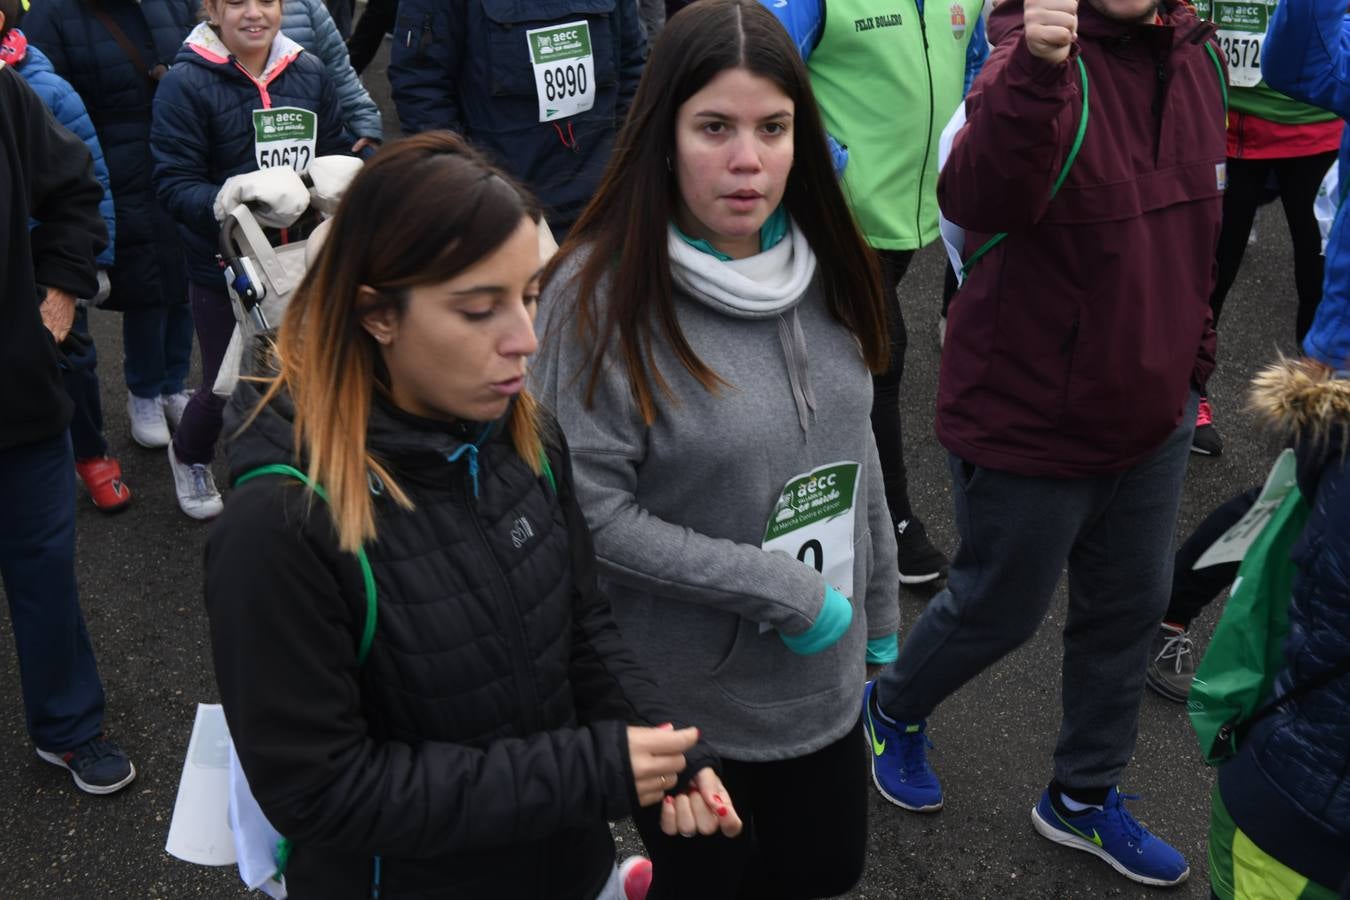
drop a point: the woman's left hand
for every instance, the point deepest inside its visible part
(704, 809)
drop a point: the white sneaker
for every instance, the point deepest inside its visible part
(148, 427)
(174, 404)
(197, 494)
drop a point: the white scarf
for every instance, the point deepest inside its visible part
(762, 286)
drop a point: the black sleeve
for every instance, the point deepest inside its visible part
(608, 680)
(63, 196)
(284, 607)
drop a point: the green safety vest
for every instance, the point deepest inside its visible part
(887, 79)
(1250, 17)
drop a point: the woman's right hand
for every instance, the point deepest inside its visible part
(657, 757)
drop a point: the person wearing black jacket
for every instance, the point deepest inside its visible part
(499, 721)
(47, 173)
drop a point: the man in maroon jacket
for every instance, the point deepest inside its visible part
(1067, 392)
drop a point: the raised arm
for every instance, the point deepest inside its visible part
(1021, 116)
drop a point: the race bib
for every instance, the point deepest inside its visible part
(564, 70)
(284, 136)
(1232, 546)
(1242, 31)
(812, 521)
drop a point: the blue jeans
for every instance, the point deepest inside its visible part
(79, 375)
(156, 349)
(62, 694)
(1116, 534)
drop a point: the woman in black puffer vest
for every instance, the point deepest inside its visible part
(499, 722)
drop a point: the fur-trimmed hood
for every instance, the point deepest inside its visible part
(1308, 404)
(1303, 399)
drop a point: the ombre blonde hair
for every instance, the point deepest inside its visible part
(423, 210)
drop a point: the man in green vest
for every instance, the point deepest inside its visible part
(888, 76)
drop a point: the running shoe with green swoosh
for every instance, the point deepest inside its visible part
(899, 755)
(1115, 836)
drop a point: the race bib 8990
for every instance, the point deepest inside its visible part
(564, 69)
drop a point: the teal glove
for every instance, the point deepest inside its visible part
(829, 627)
(883, 650)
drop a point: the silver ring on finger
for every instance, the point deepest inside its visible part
(663, 780)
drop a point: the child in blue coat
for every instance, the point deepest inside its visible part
(240, 97)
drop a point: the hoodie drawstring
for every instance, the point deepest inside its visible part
(793, 339)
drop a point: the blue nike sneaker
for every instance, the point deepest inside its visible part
(899, 754)
(1114, 835)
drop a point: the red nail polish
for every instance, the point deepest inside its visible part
(717, 798)
(667, 726)
(669, 799)
(722, 811)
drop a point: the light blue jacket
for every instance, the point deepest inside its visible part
(308, 23)
(69, 110)
(1306, 57)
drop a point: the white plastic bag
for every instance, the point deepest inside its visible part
(1326, 202)
(255, 840)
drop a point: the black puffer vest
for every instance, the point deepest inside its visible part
(481, 642)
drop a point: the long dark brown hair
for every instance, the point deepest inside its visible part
(423, 210)
(623, 229)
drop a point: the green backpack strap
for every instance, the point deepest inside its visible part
(547, 470)
(285, 846)
(1223, 82)
(367, 574)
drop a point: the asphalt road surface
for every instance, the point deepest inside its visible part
(140, 581)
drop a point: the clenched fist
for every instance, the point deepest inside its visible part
(1051, 27)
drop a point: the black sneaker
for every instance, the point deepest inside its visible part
(1206, 440)
(916, 557)
(98, 766)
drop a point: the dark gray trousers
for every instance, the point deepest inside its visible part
(1116, 534)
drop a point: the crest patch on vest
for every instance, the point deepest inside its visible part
(958, 21)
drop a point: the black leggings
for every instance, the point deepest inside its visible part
(886, 389)
(805, 831)
(1298, 178)
(1194, 589)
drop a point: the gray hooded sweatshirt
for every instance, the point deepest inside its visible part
(679, 508)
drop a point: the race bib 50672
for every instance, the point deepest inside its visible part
(284, 136)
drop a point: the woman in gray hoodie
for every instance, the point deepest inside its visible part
(709, 329)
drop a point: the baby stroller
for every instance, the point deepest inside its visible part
(260, 277)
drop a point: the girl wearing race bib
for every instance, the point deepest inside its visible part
(498, 721)
(708, 333)
(240, 97)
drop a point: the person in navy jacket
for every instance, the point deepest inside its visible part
(240, 97)
(148, 284)
(101, 473)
